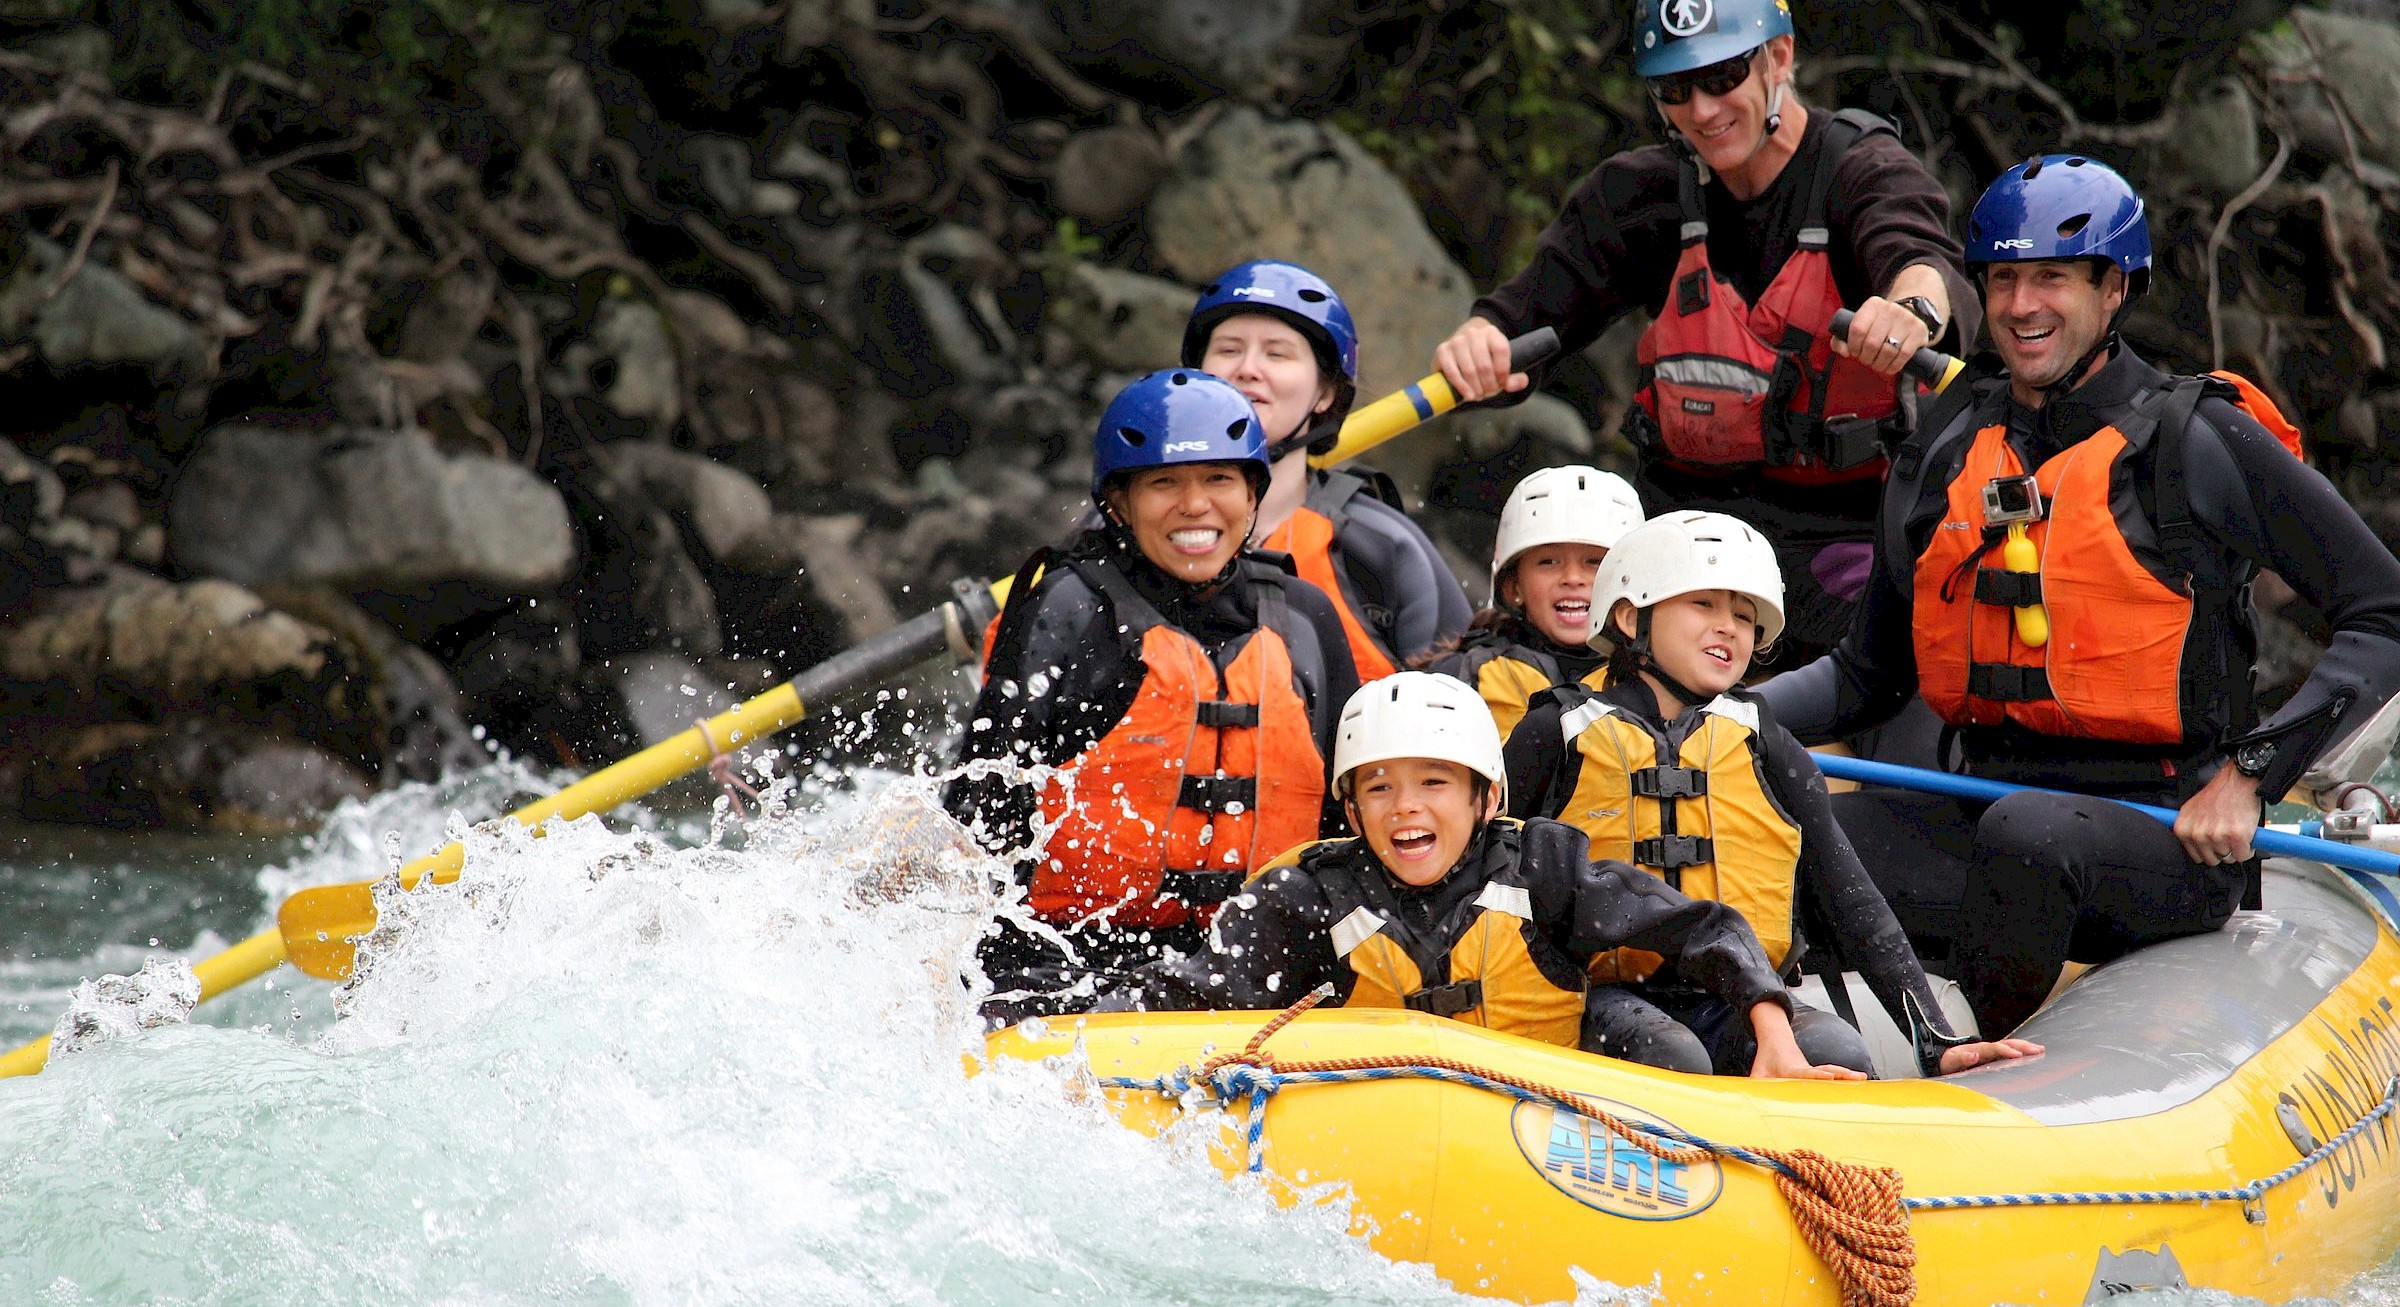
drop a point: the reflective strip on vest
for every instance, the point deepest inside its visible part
(1121, 822)
(1755, 845)
(1355, 929)
(2114, 664)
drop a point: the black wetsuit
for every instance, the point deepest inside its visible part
(2013, 890)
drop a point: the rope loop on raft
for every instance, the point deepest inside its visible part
(1852, 1216)
(721, 770)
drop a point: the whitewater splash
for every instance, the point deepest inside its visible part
(604, 1069)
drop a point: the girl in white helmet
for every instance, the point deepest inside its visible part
(1555, 533)
(1674, 769)
(1442, 905)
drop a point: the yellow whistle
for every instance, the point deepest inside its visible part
(2017, 554)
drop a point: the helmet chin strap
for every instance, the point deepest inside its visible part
(1648, 662)
(1774, 113)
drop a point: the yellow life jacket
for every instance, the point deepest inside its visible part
(1508, 673)
(1690, 805)
(1484, 964)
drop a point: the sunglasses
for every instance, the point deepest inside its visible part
(1720, 78)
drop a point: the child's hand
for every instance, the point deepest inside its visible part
(1959, 1058)
(1779, 1056)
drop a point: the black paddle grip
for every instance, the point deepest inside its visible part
(1531, 349)
(1928, 365)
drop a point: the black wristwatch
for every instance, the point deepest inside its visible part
(2253, 759)
(1926, 313)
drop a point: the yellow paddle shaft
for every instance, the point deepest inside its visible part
(1387, 417)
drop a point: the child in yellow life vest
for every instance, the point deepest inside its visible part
(1674, 769)
(1554, 534)
(1441, 905)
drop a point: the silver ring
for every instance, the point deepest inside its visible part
(1891, 342)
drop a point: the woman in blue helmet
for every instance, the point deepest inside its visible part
(1158, 706)
(1281, 335)
(2150, 501)
(1741, 236)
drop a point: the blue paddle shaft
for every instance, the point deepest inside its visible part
(2275, 842)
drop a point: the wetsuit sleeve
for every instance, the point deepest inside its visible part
(2281, 514)
(1057, 682)
(1895, 214)
(1867, 937)
(1611, 905)
(1269, 945)
(1535, 755)
(1395, 567)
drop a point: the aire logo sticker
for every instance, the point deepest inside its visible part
(1686, 17)
(1583, 1160)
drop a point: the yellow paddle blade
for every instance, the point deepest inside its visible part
(320, 927)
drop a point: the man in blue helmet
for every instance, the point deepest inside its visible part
(1284, 338)
(2062, 562)
(1158, 706)
(1742, 235)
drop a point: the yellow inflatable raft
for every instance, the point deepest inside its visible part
(2215, 1112)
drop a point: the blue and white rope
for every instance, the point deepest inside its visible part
(1237, 1082)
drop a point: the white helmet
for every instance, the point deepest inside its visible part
(1572, 505)
(1418, 715)
(1676, 553)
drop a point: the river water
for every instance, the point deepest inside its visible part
(626, 1064)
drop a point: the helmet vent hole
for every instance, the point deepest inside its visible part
(2074, 224)
(1181, 379)
(1132, 437)
(2075, 163)
(1235, 429)
(2033, 167)
(1312, 296)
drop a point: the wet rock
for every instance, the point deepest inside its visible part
(717, 507)
(193, 775)
(1123, 321)
(633, 337)
(138, 648)
(2359, 58)
(96, 317)
(162, 993)
(369, 511)
(426, 735)
(1103, 174)
(1255, 187)
(2216, 127)
(639, 587)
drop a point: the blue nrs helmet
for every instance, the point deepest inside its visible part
(1677, 36)
(2061, 206)
(1287, 291)
(1178, 415)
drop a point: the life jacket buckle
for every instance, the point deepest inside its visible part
(1453, 999)
(1225, 714)
(1672, 852)
(1231, 795)
(1197, 887)
(2007, 682)
(1670, 782)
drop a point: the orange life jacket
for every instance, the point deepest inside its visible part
(1209, 773)
(1728, 384)
(2120, 663)
(1308, 536)
(2250, 399)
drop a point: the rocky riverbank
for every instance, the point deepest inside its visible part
(393, 383)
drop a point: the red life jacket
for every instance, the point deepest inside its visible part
(1208, 775)
(2123, 661)
(1727, 384)
(1308, 536)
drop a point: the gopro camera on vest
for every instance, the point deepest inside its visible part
(2011, 499)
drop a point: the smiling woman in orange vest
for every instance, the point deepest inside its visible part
(1740, 235)
(1157, 708)
(1281, 335)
